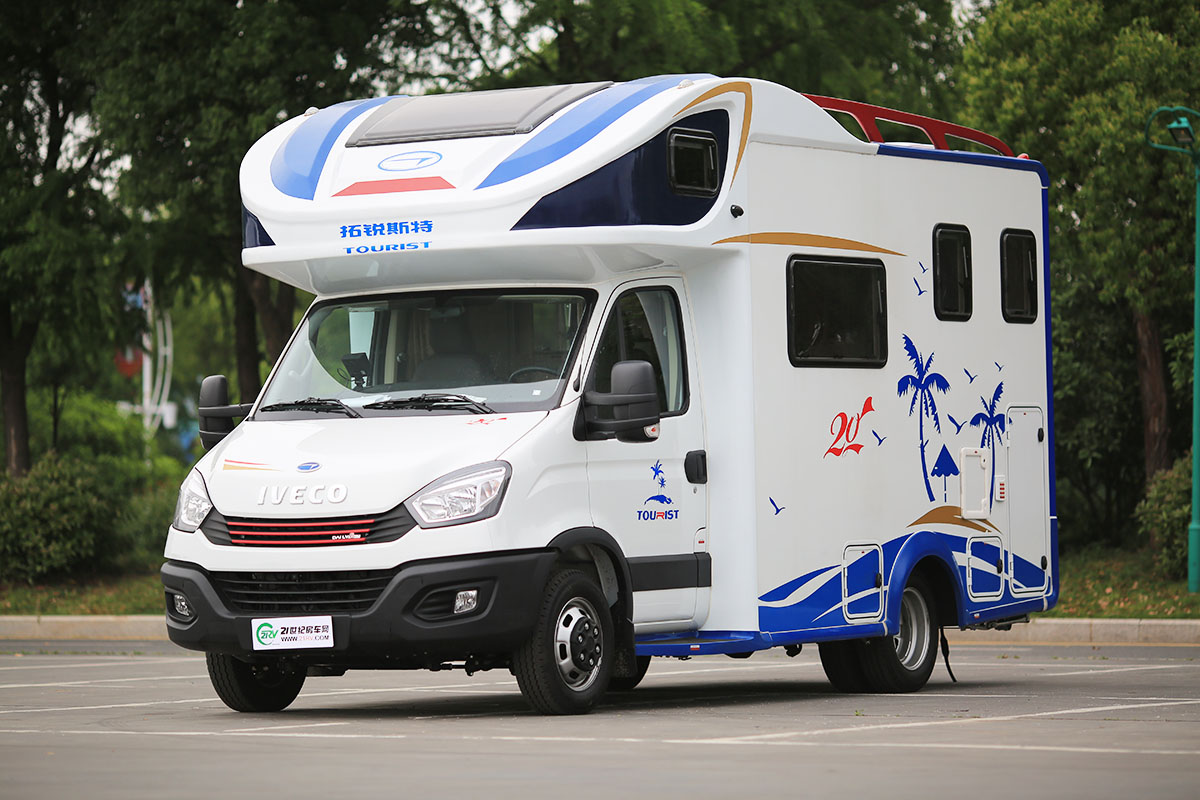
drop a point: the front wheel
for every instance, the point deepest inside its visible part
(904, 662)
(269, 686)
(564, 666)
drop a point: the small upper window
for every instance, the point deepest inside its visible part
(952, 272)
(693, 162)
(837, 312)
(1018, 276)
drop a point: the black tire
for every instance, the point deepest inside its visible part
(564, 667)
(269, 686)
(843, 665)
(616, 683)
(904, 662)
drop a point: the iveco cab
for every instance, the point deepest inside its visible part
(606, 371)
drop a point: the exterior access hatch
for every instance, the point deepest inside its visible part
(458, 116)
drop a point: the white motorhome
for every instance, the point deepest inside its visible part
(606, 371)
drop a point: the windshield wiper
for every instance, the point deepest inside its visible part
(432, 400)
(317, 404)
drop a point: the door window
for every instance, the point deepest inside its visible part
(644, 325)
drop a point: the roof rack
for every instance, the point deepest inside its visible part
(866, 116)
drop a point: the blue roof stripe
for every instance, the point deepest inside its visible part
(297, 165)
(964, 157)
(580, 125)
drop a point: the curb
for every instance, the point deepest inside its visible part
(153, 627)
(1088, 631)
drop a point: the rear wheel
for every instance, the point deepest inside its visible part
(268, 686)
(842, 662)
(564, 666)
(624, 684)
(904, 662)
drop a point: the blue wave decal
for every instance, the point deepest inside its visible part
(296, 166)
(580, 125)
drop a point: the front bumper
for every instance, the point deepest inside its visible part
(409, 623)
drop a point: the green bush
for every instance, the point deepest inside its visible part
(53, 518)
(1163, 517)
(139, 534)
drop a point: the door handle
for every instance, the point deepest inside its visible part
(695, 467)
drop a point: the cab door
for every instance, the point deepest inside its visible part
(650, 496)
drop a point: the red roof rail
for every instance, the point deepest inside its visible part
(866, 116)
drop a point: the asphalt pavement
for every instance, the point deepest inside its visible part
(139, 719)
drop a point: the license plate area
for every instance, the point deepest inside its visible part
(291, 633)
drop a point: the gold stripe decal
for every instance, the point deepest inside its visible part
(732, 86)
(806, 240)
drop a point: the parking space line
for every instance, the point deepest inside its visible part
(102, 680)
(933, 723)
(740, 742)
(123, 662)
(285, 727)
(1109, 670)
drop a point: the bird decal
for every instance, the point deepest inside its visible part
(958, 426)
(878, 438)
(999, 366)
(970, 378)
(924, 268)
(776, 506)
(920, 291)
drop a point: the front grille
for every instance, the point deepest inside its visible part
(264, 532)
(295, 592)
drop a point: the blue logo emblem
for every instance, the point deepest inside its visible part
(308, 466)
(412, 160)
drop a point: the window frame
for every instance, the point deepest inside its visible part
(939, 277)
(881, 312)
(615, 308)
(709, 147)
(1032, 316)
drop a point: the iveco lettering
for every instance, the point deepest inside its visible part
(606, 372)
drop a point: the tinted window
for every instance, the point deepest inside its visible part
(952, 272)
(837, 312)
(1018, 276)
(693, 162)
(644, 326)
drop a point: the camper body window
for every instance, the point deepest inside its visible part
(692, 165)
(644, 325)
(837, 312)
(1018, 276)
(952, 272)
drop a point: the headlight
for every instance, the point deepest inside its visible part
(464, 496)
(193, 505)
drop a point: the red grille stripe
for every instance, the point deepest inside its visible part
(245, 524)
(302, 541)
(237, 532)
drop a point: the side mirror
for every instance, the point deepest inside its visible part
(634, 401)
(216, 415)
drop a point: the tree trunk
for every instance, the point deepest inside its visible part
(14, 354)
(275, 303)
(1152, 379)
(245, 340)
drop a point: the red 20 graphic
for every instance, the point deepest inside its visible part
(845, 430)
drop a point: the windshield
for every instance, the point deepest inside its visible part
(442, 352)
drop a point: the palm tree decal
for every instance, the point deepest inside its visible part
(993, 426)
(921, 384)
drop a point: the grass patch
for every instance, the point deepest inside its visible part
(1114, 583)
(123, 594)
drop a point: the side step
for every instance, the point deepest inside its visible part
(700, 643)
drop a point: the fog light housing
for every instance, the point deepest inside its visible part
(183, 609)
(466, 601)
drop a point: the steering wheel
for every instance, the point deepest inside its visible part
(528, 370)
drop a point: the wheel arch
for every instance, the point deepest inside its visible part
(928, 555)
(598, 548)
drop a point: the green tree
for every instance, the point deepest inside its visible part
(59, 269)
(1072, 82)
(887, 52)
(188, 86)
